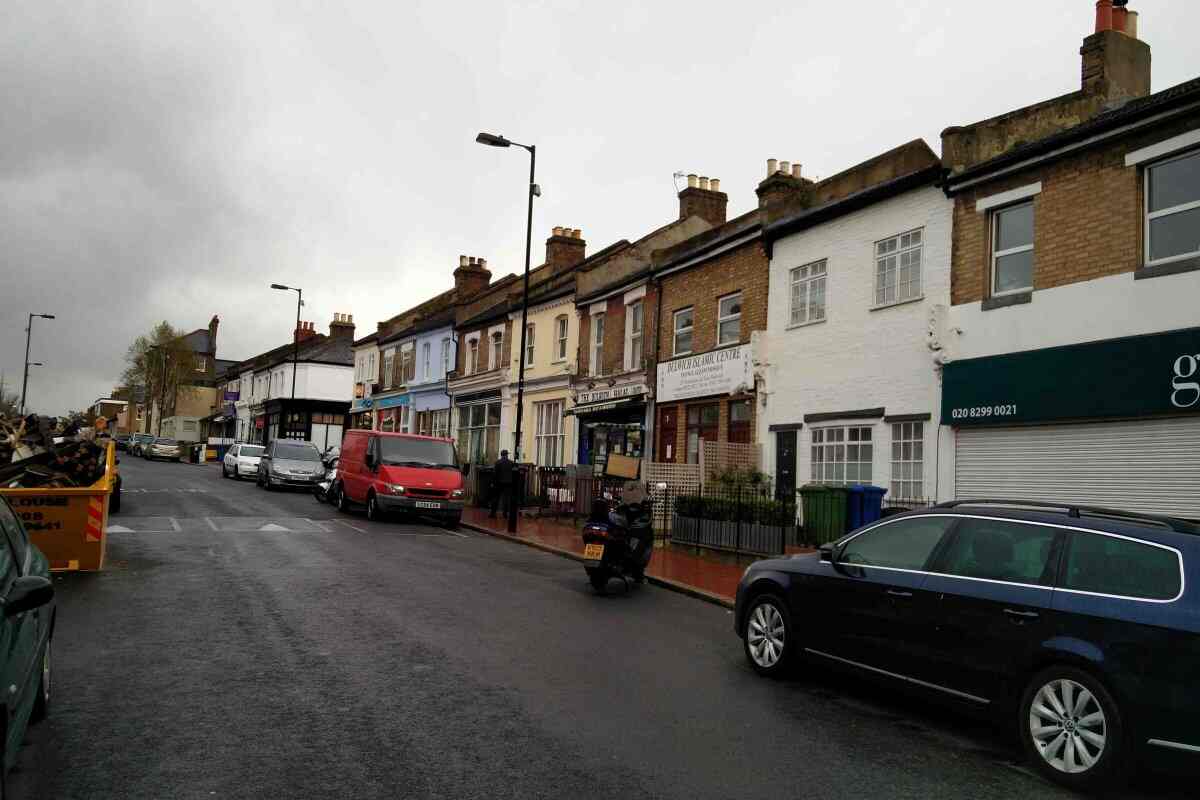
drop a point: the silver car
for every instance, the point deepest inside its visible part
(242, 460)
(288, 462)
(167, 449)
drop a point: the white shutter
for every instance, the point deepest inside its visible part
(1151, 466)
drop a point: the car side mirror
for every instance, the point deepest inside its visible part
(827, 552)
(27, 593)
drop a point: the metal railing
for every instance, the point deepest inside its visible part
(742, 519)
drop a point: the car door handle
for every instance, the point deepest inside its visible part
(1021, 614)
(898, 593)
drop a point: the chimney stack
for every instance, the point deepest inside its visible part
(703, 198)
(342, 327)
(471, 277)
(783, 181)
(1116, 64)
(564, 249)
(213, 324)
(305, 331)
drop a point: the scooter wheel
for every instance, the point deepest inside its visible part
(598, 577)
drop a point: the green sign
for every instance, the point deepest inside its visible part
(1157, 373)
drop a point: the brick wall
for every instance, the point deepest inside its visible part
(614, 333)
(1088, 220)
(743, 269)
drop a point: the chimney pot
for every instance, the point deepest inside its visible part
(715, 185)
(578, 234)
(772, 166)
(785, 167)
(1119, 18)
(704, 182)
(1131, 20)
(349, 318)
(693, 179)
(1104, 15)
(556, 231)
(796, 169)
(481, 263)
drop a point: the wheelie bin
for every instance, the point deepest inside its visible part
(824, 512)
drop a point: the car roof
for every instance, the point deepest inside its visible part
(1151, 527)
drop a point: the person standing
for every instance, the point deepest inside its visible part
(502, 480)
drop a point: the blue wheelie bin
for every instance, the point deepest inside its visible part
(864, 505)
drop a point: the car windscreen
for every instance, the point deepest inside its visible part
(406, 452)
(296, 452)
(250, 451)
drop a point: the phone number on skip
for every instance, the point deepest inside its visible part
(1008, 410)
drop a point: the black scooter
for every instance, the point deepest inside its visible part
(323, 489)
(618, 540)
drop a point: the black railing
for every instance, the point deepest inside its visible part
(747, 519)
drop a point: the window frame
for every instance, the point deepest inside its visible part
(741, 427)
(1148, 216)
(699, 427)
(729, 318)
(597, 343)
(389, 368)
(445, 356)
(845, 443)
(529, 351)
(561, 328)
(545, 439)
(635, 336)
(899, 251)
(495, 350)
(676, 330)
(994, 255)
(426, 364)
(893, 479)
(201, 364)
(935, 554)
(1052, 569)
(471, 357)
(808, 280)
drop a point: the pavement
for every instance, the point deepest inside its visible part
(244, 643)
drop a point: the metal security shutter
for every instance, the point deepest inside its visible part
(1146, 465)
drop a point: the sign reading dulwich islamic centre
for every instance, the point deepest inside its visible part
(1157, 373)
(717, 372)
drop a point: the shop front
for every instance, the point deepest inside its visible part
(1112, 423)
(706, 397)
(321, 422)
(611, 420)
(392, 413)
(477, 426)
(362, 414)
(431, 411)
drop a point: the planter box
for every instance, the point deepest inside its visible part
(745, 537)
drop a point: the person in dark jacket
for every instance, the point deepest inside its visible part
(502, 481)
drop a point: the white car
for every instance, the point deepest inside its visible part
(242, 460)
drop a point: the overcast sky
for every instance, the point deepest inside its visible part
(169, 160)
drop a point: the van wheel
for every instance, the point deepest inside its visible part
(342, 502)
(373, 512)
(1071, 729)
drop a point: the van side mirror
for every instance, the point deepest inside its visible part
(370, 460)
(27, 593)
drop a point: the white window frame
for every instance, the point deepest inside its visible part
(550, 434)
(529, 350)
(371, 373)
(998, 254)
(426, 351)
(445, 356)
(1149, 216)
(597, 343)
(495, 349)
(803, 275)
(201, 364)
(561, 326)
(389, 368)
(727, 318)
(845, 442)
(471, 357)
(897, 252)
(632, 336)
(676, 330)
(911, 434)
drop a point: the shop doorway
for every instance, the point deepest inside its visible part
(668, 428)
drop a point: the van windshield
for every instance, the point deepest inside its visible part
(406, 452)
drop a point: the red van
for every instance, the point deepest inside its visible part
(390, 472)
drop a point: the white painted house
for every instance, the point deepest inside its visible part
(850, 389)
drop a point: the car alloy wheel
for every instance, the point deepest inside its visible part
(1072, 728)
(768, 635)
(41, 703)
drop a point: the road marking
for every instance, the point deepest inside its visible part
(319, 524)
(118, 529)
(351, 527)
(271, 526)
(175, 525)
(212, 524)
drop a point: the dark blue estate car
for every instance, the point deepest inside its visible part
(1081, 624)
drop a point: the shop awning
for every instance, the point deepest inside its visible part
(593, 408)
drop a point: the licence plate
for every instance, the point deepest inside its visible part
(593, 552)
(426, 504)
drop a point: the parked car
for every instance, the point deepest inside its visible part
(288, 462)
(392, 472)
(1078, 624)
(241, 459)
(122, 441)
(163, 448)
(27, 623)
(138, 441)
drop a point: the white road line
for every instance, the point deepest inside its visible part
(351, 527)
(175, 525)
(319, 523)
(212, 524)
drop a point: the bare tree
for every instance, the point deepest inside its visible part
(162, 362)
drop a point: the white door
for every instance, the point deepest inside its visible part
(1151, 466)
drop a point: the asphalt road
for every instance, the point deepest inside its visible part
(244, 643)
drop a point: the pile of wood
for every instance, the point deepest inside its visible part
(42, 452)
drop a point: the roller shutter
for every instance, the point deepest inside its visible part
(1144, 465)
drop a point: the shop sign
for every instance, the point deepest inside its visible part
(610, 393)
(231, 396)
(391, 402)
(361, 405)
(1135, 376)
(718, 372)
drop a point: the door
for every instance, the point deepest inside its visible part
(874, 603)
(994, 604)
(668, 427)
(785, 464)
(1149, 465)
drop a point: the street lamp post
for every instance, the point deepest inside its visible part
(499, 141)
(296, 333)
(28, 336)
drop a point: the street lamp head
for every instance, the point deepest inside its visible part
(492, 140)
(46, 316)
(280, 286)
(36, 364)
